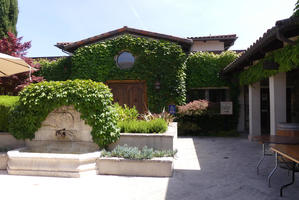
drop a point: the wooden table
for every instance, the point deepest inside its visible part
(292, 153)
(272, 139)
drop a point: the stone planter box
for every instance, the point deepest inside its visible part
(3, 161)
(156, 167)
(158, 141)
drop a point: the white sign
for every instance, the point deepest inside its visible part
(226, 108)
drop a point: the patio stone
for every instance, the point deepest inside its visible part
(205, 168)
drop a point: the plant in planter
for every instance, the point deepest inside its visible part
(125, 160)
(141, 126)
(134, 153)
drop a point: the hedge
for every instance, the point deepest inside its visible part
(141, 126)
(7, 103)
(93, 100)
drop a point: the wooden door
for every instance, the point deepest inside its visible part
(129, 92)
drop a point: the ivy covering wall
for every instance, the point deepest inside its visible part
(155, 60)
(287, 58)
(203, 69)
(55, 70)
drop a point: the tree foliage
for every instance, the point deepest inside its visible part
(13, 46)
(296, 9)
(8, 17)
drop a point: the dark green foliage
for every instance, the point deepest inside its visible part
(287, 58)
(155, 61)
(136, 154)
(207, 125)
(93, 100)
(126, 113)
(203, 69)
(6, 104)
(202, 118)
(296, 9)
(8, 17)
(57, 70)
(140, 126)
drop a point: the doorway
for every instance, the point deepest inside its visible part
(129, 92)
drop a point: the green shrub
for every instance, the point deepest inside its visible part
(126, 113)
(6, 104)
(136, 154)
(203, 118)
(141, 126)
(93, 100)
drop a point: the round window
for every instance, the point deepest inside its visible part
(125, 60)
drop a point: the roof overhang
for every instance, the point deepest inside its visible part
(273, 39)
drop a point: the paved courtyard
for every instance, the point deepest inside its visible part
(205, 168)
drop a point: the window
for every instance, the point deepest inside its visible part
(125, 60)
(217, 95)
(211, 94)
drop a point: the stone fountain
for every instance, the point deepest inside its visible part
(63, 147)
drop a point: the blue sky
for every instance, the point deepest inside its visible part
(47, 22)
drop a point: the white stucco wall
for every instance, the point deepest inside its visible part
(207, 46)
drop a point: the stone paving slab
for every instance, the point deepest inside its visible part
(206, 168)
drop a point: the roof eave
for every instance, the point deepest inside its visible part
(256, 48)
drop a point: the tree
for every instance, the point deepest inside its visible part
(13, 46)
(296, 9)
(8, 17)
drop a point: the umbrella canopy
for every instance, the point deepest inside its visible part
(10, 65)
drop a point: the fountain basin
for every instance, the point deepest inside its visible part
(49, 161)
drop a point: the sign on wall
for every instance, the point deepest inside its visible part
(171, 109)
(226, 107)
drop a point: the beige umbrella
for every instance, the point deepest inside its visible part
(10, 65)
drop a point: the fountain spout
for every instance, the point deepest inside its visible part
(63, 133)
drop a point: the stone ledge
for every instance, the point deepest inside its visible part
(51, 164)
(156, 167)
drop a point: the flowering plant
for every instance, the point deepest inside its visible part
(197, 107)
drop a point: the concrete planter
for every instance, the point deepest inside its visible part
(158, 141)
(156, 167)
(3, 161)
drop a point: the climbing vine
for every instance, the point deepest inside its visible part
(93, 100)
(203, 69)
(287, 58)
(155, 61)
